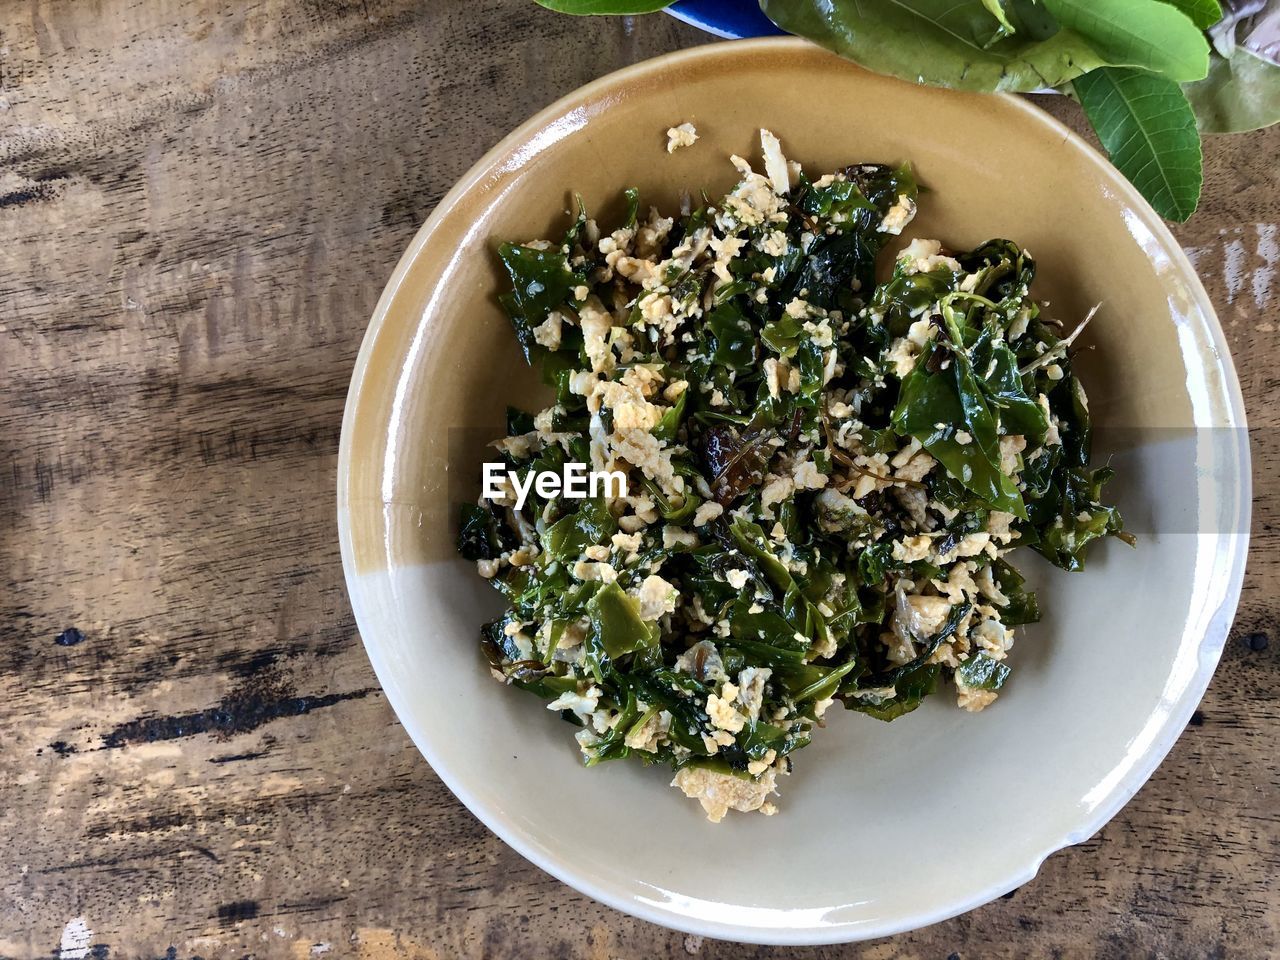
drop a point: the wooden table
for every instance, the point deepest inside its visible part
(199, 204)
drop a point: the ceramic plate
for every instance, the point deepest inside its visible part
(883, 827)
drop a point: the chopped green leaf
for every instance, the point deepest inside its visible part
(615, 622)
(540, 282)
(982, 673)
(935, 407)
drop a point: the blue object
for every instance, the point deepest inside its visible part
(68, 637)
(731, 19)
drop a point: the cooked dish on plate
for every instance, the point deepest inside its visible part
(825, 475)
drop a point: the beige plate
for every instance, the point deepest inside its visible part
(883, 827)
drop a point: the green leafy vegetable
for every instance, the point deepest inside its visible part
(907, 694)
(825, 475)
(616, 624)
(540, 279)
(935, 407)
(483, 536)
(1072, 516)
(570, 535)
(982, 673)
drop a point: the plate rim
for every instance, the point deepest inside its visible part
(1125, 788)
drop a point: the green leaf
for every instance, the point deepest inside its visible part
(540, 282)
(1030, 18)
(933, 407)
(763, 626)
(826, 685)
(1147, 127)
(755, 544)
(841, 197)
(1241, 93)
(678, 513)
(569, 536)
(733, 339)
(1006, 395)
(633, 206)
(1138, 33)
(1203, 13)
(910, 689)
(615, 622)
(833, 261)
(601, 7)
(996, 9)
(1072, 516)
(930, 646)
(1022, 606)
(671, 419)
(905, 296)
(946, 43)
(982, 673)
(483, 534)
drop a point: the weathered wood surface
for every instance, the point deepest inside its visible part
(199, 202)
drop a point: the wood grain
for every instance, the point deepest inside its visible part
(199, 203)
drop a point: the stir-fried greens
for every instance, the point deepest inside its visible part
(825, 475)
